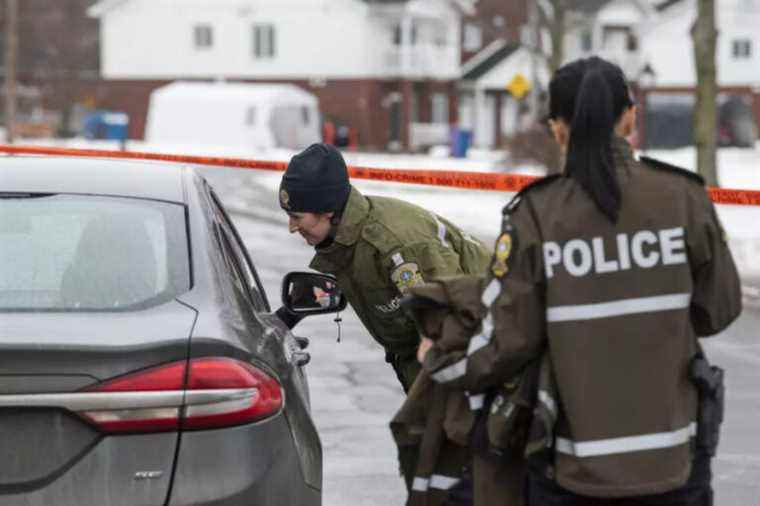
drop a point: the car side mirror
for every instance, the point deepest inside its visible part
(310, 293)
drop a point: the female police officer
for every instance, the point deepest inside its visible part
(614, 268)
(377, 248)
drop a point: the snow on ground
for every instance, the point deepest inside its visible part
(479, 211)
(354, 394)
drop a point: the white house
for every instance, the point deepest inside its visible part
(666, 45)
(607, 28)
(378, 66)
(487, 107)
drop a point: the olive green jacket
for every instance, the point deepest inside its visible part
(383, 246)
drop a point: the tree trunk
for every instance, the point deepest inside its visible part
(554, 21)
(558, 36)
(704, 34)
(11, 50)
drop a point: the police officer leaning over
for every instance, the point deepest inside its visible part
(613, 268)
(377, 248)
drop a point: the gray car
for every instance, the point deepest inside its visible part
(140, 362)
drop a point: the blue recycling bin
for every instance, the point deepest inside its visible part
(460, 142)
(110, 125)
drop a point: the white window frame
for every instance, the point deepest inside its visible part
(741, 48)
(203, 36)
(439, 108)
(250, 116)
(472, 37)
(264, 40)
(586, 40)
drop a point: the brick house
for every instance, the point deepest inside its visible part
(386, 68)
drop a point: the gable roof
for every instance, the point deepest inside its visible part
(665, 4)
(466, 6)
(487, 58)
(587, 6)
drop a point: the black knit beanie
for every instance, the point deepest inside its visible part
(316, 181)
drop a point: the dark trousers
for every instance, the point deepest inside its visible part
(697, 492)
(461, 493)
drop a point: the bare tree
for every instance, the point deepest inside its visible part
(552, 16)
(11, 50)
(704, 35)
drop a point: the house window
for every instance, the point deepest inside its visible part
(203, 36)
(440, 108)
(263, 41)
(587, 40)
(472, 37)
(742, 49)
(250, 116)
(632, 43)
(397, 35)
(619, 39)
(441, 36)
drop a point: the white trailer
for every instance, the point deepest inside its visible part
(239, 115)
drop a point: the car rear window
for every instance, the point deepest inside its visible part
(90, 253)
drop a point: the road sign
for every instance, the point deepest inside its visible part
(519, 86)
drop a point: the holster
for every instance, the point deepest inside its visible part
(503, 426)
(709, 382)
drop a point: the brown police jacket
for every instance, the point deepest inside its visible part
(383, 246)
(619, 307)
(434, 418)
(440, 420)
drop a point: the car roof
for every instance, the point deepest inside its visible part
(96, 176)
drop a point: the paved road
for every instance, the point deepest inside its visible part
(354, 393)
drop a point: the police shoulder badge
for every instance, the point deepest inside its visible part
(284, 199)
(504, 245)
(406, 276)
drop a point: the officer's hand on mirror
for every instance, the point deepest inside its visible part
(425, 345)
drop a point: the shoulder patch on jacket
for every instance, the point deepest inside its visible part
(504, 246)
(515, 202)
(406, 276)
(660, 165)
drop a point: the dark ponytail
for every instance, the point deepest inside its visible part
(590, 95)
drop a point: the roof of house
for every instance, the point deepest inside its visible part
(665, 4)
(487, 58)
(103, 6)
(586, 5)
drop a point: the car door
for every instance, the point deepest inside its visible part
(291, 369)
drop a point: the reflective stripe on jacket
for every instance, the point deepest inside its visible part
(441, 419)
(620, 307)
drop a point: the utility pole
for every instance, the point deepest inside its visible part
(11, 51)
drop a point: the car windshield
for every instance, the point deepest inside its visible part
(90, 253)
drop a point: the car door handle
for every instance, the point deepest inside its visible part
(303, 342)
(301, 358)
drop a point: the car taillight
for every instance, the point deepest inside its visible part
(221, 392)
